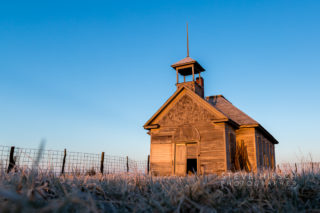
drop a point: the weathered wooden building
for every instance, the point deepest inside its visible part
(191, 132)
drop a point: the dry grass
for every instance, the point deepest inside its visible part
(238, 192)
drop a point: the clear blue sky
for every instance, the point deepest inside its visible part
(86, 75)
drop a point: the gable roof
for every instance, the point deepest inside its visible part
(232, 112)
(193, 95)
(227, 108)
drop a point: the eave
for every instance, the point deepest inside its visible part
(263, 130)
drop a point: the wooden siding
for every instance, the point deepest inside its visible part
(210, 150)
(265, 152)
(161, 155)
(248, 136)
(212, 157)
(192, 151)
(230, 146)
(180, 159)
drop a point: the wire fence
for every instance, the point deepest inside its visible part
(300, 167)
(63, 162)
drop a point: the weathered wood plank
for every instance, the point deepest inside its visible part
(180, 164)
(192, 151)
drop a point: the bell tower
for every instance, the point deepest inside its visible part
(188, 67)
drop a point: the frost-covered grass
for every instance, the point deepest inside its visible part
(25, 191)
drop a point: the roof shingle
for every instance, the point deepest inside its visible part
(186, 60)
(227, 108)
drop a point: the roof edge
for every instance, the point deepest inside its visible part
(186, 63)
(220, 95)
(274, 141)
(162, 107)
(227, 120)
(152, 126)
(176, 93)
(191, 61)
(263, 130)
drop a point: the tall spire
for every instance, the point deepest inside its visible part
(187, 42)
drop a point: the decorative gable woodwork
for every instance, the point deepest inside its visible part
(186, 111)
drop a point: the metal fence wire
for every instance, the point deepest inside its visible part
(15, 158)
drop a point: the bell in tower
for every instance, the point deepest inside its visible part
(187, 67)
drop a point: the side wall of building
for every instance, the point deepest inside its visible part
(265, 151)
(212, 157)
(247, 135)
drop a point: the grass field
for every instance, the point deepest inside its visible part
(236, 192)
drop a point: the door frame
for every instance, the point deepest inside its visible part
(197, 155)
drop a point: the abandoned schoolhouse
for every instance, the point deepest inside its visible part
(192, 132)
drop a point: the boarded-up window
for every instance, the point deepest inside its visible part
(272, 156)
(257, 151)
(260, 151)
(268, 153)
(160, 159)
(264, 153)
(232, 144)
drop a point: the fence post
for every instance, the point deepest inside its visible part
(101, 163)
(11, 160)
(64, 161)
(127, 164)
(148, 164)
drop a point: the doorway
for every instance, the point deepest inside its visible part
(186, 158)
(191, 166)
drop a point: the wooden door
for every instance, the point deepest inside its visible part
(181, 159)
